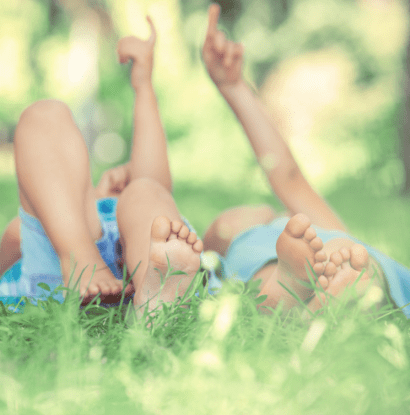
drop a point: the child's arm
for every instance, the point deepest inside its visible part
(10, 246)
(223, 60)
(149, 150)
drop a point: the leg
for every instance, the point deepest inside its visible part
(55, 186)
(151, 228)
(232, 222)
(297, 244)
(10, 246)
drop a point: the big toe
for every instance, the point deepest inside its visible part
(161, 228)
(298, 225)
(359, 257)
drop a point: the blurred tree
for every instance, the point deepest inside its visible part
(405, 118)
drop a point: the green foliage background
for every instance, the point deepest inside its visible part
(212, 163)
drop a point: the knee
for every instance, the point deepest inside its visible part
(234, 221)
(246, 216)
(47, 109)
(40, 117)
(265, 213)
(142, 189)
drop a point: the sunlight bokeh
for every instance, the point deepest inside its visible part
(319, 86)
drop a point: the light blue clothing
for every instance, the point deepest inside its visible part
(254, 248)
(40, 262)
(247, 254)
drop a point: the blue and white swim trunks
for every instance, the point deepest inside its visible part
(40, 262)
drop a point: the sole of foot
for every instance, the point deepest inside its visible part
(171, 241)
(342, 271)
(296, 246)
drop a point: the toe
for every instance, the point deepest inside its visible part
(184, 232)
(93, 290)
(359, 257)
(297, 225)
(323, 281)
(320, 256)
(330, 269)
(191, 238)
(116, 287)
(104, 288)
(316, 244)
(161, 228)
(129, 290)
(318, 268)
(336, 258)
(310, 233)
(198, 246)
(345, 254)
(176, 226)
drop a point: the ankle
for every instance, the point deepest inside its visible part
(74, 265)
(294, 286)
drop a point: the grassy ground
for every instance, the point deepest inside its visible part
(220, 355)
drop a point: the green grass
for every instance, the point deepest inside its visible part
(219, 355)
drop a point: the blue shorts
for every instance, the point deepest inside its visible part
(254, 248)
(40, 262)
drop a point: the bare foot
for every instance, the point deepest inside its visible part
(296, 245)
(342, 270)
(175, 241)
(101, 281)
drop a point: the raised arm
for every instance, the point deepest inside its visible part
(149, 150)
(223, 60)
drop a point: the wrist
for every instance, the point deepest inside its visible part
(231, 89)
(142, 84)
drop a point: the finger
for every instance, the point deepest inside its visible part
(124, 180)
(213, 17)
(238, 50)
(220, 42)
(229, 53)
(104, 184)
(125, 49)
(153, 35)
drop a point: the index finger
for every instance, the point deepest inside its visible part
(153, 35)
(213, 16)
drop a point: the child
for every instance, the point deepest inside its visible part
(254, 242)
(59, 223)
